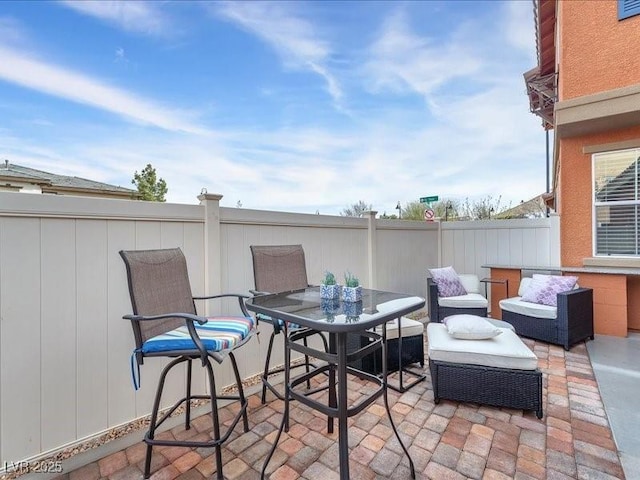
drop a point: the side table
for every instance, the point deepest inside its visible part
(501, 281)
(498, 281)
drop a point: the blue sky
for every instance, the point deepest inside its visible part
(289, 106)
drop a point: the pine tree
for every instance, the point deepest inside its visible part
(149, 185)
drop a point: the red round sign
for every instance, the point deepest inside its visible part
(429, 214)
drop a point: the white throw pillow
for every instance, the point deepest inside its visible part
(470, 327)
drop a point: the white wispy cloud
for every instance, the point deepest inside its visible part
(401, 61)
(476, 100)
(138, 17)
(18, 68)
(120, 56)
(11, 31)
(519, 26)
(293, 38)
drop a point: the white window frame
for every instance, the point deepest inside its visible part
(594, 204)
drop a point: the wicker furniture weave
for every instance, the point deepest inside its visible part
(437, 312)
(500, 387)
(165, 324)
(412, 352)
(573, 323)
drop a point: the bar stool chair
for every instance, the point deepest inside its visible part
(276, 269)
(165, 324)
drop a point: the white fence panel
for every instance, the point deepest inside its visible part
(20, 352)
(92, 327)
(58, 344)
(469, 245)
(405, 250)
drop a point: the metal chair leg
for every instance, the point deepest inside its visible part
(216, 420)
(306, 363)
(187, 421)
(243, 400)
(154, 415)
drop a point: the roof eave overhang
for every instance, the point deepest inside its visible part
(609, 110)
(541, 81)
(25, 179)
(92, 192)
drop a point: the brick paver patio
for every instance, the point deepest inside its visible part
(446, 441)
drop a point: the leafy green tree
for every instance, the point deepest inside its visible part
(444, 209)
(413, 211)
(447, 209)
(149, 186)
(356, 210)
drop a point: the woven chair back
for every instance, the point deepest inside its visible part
(279, 268)
(158, 284)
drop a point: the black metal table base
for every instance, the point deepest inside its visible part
(417, 376)
(401, 386)
(337, 369)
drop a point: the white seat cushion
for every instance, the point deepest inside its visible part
(504, 351)
(516, 305)
(470, 282)
(470, 300)
(409, 328)
(525, 283)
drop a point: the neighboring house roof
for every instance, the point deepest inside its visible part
(621, 185)
(53, 183)
(533, 208)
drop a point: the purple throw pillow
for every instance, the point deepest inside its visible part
(544, 289)
(448, 283)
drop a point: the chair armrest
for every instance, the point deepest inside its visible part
(434, 315)
(186, 316)
(257, 293)
(239, 296)
(575, 314)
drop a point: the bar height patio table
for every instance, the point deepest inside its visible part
(305, 307)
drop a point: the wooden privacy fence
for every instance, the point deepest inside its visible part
(65, 350)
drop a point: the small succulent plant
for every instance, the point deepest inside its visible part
(351, 280)
(329, 278)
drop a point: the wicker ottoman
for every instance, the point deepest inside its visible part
(500, 371)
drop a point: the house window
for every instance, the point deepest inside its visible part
(616, 203)
(628, 8)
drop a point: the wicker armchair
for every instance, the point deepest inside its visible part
(567, 324)
(165, 324)
(473, 303)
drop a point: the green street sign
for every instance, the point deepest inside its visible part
(433, 198)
